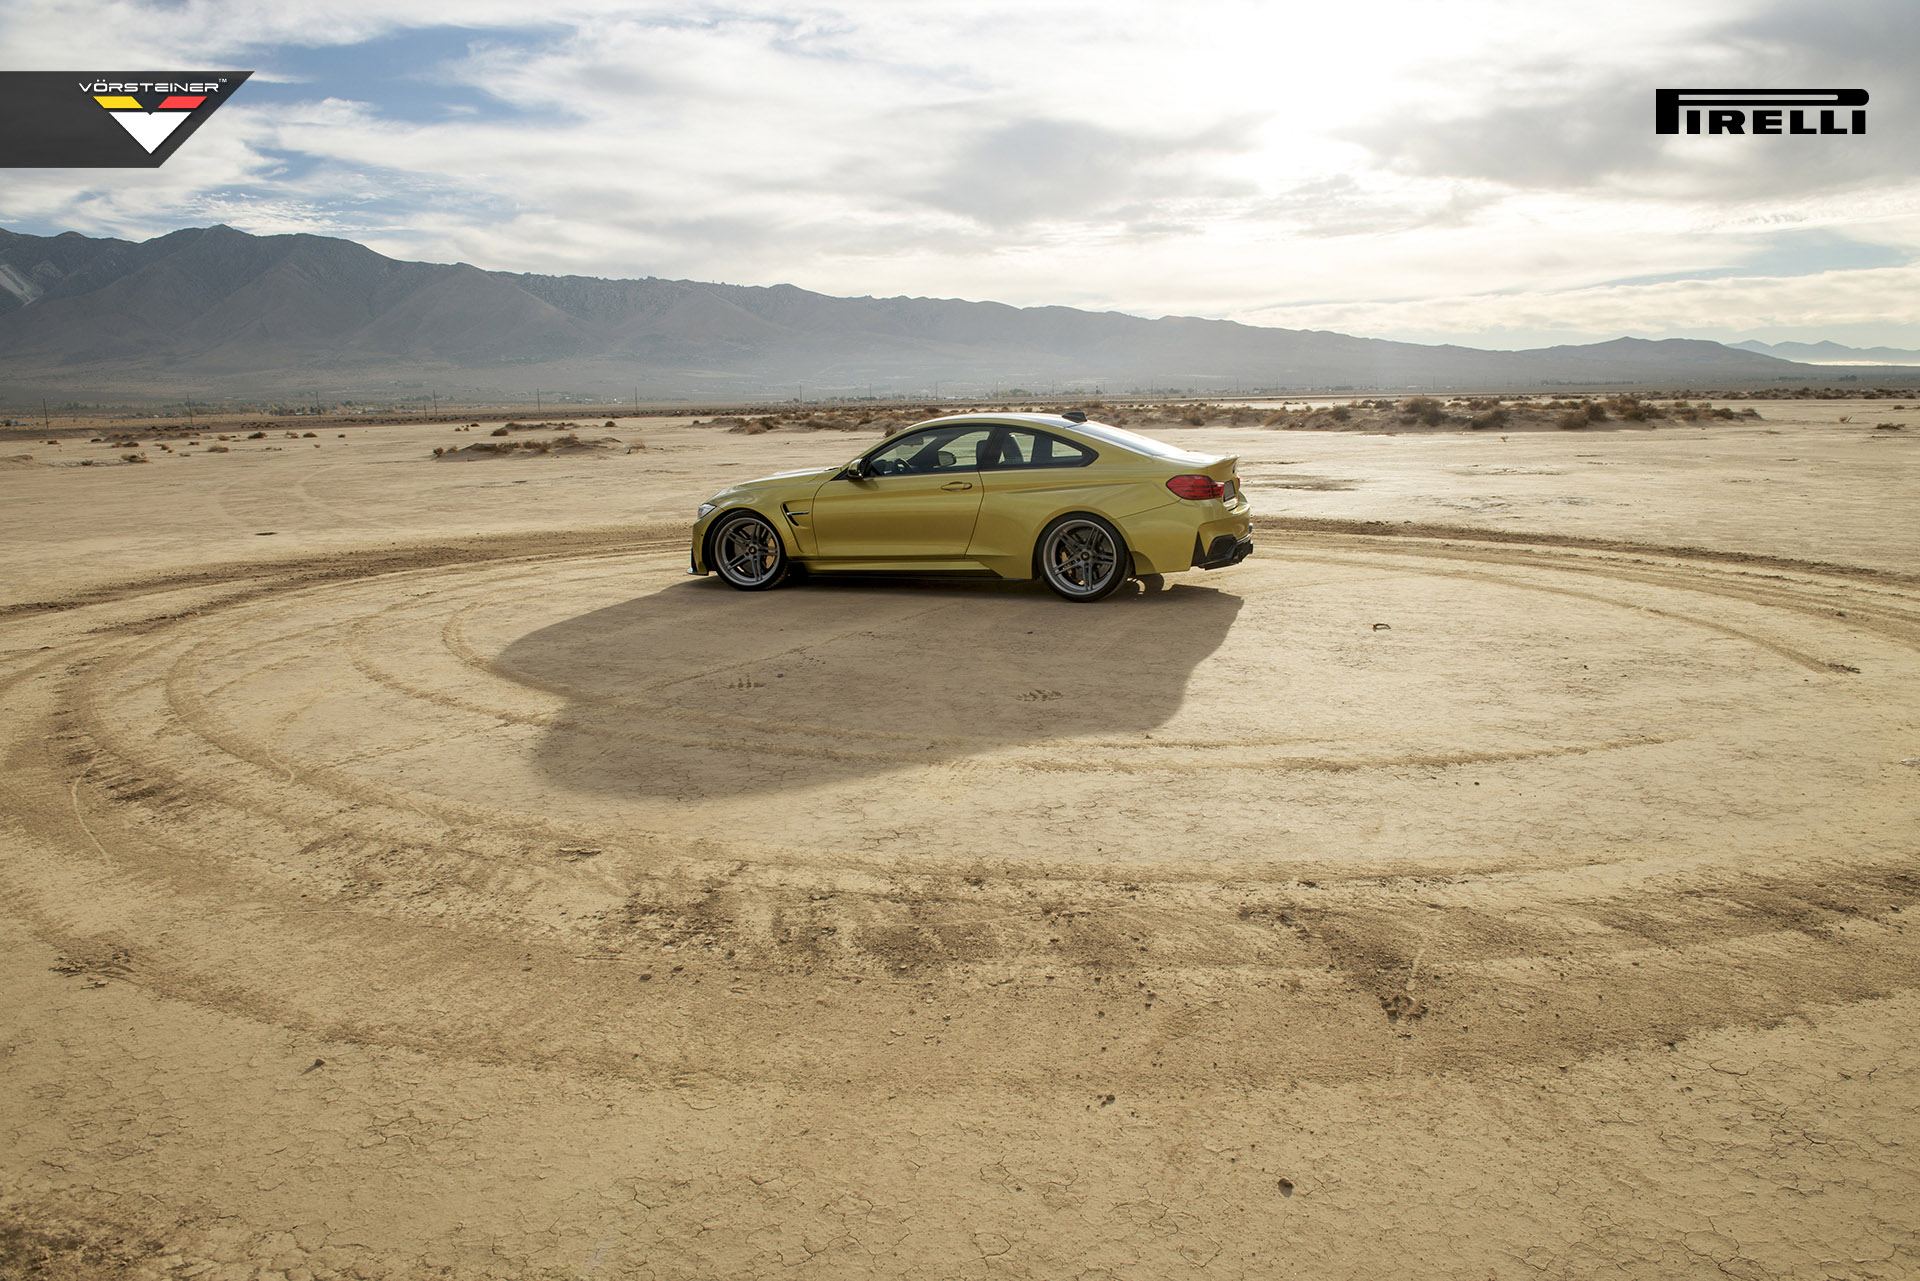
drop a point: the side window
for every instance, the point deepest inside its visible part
(942, 449)
(1021, 447)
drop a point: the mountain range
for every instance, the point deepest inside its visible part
(1831, 353)
(217, 312)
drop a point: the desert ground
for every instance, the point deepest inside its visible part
(407, 870)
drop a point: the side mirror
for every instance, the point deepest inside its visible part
(858, 469)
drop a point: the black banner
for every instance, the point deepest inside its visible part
(105, 119)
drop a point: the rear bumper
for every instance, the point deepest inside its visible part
(1224, 550)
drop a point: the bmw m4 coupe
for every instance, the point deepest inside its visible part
(1080, 505)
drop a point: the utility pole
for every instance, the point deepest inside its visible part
(436, 403)
(536, 402)
(44, 421)
(189, 413)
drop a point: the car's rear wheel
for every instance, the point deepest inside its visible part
(1082, 557)
(747, 552)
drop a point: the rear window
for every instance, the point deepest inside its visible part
(1141, 444)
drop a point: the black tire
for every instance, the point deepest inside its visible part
(747, 552)
(1082, 558)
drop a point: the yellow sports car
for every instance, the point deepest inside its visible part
(1080, 505)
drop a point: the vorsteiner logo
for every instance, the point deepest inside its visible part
(1759, 110)
(114, 120)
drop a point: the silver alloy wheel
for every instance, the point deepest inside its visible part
(1080, 558)
(747, 552)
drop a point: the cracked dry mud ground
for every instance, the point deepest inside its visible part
(464, 892)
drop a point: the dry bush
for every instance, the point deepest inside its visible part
(133, 458)
(259, 435)
(1340, 413)
(752, 427)
(1424, 409)
(499, 431)
(1489, 419)
(1633, 409)
(218, 449)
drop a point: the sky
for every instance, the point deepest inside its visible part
(1482, 172)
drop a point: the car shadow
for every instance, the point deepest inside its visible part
(697, 691)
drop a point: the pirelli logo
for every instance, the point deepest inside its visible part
(1744, 111)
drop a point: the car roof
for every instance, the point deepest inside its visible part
(1091, 432)
(1054, 421)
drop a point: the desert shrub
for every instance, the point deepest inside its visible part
(1488, 419)
(1339, 413)
(218, 449)
(259, 435)
(498, 431)
(308, 435)
(1571, 420)
(1423, 409)
(133, 458)
(751, 427)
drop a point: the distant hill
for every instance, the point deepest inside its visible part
(1831, 353)
(215, 311)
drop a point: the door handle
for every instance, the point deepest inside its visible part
(957, 485)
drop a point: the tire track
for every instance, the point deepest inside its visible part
(363, 878)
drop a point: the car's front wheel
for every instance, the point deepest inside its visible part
(1082, 557)
(747, 552)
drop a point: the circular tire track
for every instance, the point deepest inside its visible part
(1389, 761)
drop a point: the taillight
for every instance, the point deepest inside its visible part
(1196, 486)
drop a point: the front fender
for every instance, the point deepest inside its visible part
(772, 513)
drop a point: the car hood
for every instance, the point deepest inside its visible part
(799, 479)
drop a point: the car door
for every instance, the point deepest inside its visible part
(919, 504)
(1031, 475)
